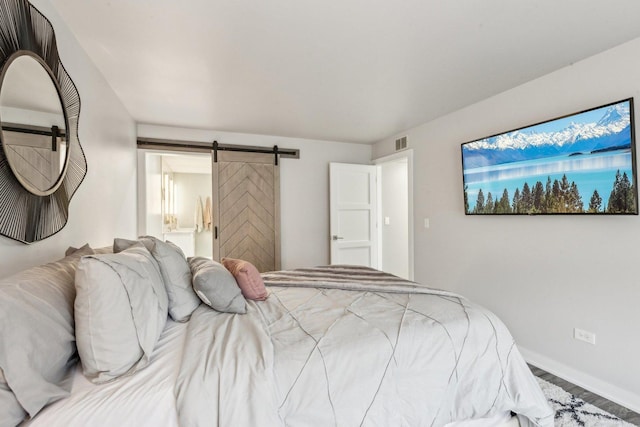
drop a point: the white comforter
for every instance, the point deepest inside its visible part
(352, 347)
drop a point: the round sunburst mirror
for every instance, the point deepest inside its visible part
(41, 161)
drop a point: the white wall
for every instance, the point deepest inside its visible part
(104, 204)
(304, 185)
(543, 275)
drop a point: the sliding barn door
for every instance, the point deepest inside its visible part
(246, 193)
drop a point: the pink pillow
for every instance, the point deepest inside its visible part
(248, 278)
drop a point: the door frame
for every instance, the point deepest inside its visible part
(408, 154)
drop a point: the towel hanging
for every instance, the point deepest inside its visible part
(198, 216)
(207, 217)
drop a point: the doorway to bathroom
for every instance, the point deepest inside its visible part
(175, 200)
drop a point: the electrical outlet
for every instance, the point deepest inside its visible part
(586, 336)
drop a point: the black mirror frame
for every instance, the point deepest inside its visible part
(24, 216)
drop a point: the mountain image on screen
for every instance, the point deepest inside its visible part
(611, 132)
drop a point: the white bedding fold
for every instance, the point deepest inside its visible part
(226, 377)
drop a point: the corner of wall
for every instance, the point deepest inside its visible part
(604, 389)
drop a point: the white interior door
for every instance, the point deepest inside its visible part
(353, 214)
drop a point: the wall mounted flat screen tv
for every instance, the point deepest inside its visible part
(583, 163)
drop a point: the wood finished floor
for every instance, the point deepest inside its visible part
(602, 403)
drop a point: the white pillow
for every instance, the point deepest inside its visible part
(175, 273)
(120, 311)
(37, 342)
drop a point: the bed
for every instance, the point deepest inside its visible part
(329, 345)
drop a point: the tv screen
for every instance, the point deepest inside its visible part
(583, 163)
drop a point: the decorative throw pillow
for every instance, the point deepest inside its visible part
(120, 312)
(216, 287)
(175, 272)
(248, 278)
(37, 343)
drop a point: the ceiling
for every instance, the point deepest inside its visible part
(346, 70)
(186, 163)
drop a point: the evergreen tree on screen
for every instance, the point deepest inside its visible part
(631, 199)
(556, 204)
(548, 195)
(615, 200)
(559, 196)
(503, 206)
(466, 198)
(564, 194)
(516, 201)
(479, 203)
(489, 206)
(564, 184)
(526, 201)
(595, 204)
(538, 197)
(574, 200)
(565, 197)
(621, 199)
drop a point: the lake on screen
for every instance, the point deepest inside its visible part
(589, 171)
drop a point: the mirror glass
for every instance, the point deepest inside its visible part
(33, 125)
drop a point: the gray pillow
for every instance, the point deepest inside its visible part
(216, 287)
(37, 343)
(175, 274)
(120, 244)
(84, 249)
(120, 312)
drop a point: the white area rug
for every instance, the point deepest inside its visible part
(572, 411)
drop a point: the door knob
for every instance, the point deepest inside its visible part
(335, 237)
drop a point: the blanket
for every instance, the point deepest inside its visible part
(352, 346)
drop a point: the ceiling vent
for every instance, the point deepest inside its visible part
(401, 143)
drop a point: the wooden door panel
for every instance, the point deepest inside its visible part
(248, 211)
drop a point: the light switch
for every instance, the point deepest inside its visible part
(387, 220)
(426, 223)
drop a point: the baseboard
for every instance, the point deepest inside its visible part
(602, 388)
